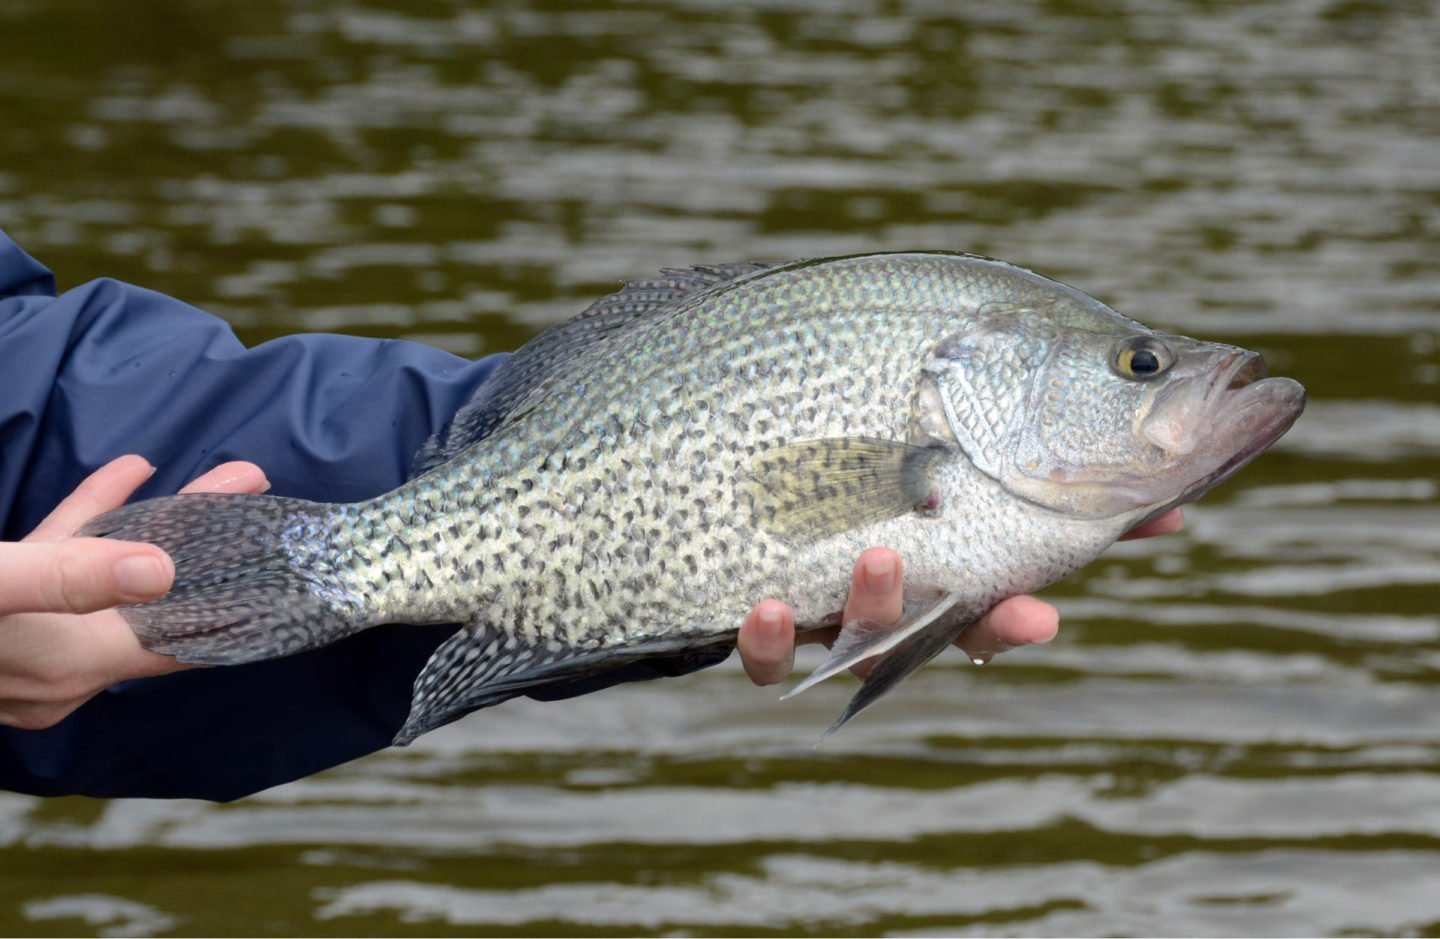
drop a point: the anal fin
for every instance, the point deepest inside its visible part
(482, 666)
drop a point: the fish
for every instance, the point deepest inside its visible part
(631, 482)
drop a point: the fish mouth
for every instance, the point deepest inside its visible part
(1247, 412)
(1247, 369)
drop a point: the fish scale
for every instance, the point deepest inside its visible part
(632, 482)
(652, 491)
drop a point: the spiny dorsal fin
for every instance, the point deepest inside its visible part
(642, 297)
(526, 377)
(811, 489)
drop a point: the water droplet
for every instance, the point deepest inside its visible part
(982, 658)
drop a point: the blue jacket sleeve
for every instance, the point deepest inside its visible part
(108, 369)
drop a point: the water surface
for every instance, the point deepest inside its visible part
(1236, 732)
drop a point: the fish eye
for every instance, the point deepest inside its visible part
(1141, 358)
(1144, 362)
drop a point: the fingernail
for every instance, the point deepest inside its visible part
(770, 620)
(264, 488)
(879, 574)
(141, 576)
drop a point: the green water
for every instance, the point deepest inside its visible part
(1236, 733)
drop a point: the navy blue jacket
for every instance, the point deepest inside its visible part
(107, 369)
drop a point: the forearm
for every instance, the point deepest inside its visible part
(108, 369)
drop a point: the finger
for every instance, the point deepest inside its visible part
(876, 594)
(1018, 621)
(1171, 521)
(767, 642)
(231, 477)
(118, 655)
(105, 489)
(54, 668)
(80, 575)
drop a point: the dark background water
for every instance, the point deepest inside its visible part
(1237, 730)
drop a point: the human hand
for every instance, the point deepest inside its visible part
(61, 641)
(767, 638)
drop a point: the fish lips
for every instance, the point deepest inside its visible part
(1241, 413)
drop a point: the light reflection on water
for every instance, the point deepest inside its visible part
(800, 893)
(1235, 732)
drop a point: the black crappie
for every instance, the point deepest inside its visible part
(630, 483)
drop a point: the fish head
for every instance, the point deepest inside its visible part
(1073, 407)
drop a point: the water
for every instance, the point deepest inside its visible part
(1236, 732)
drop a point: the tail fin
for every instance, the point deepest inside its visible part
(254, 579)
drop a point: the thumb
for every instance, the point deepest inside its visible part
(80, 575)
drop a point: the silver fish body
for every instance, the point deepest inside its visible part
(632, 482)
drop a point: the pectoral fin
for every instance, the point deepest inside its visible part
(861, 639)
(812, 489)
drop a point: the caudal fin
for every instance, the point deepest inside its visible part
(253, 577)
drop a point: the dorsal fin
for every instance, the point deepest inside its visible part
(640, 298)
(525, 377)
